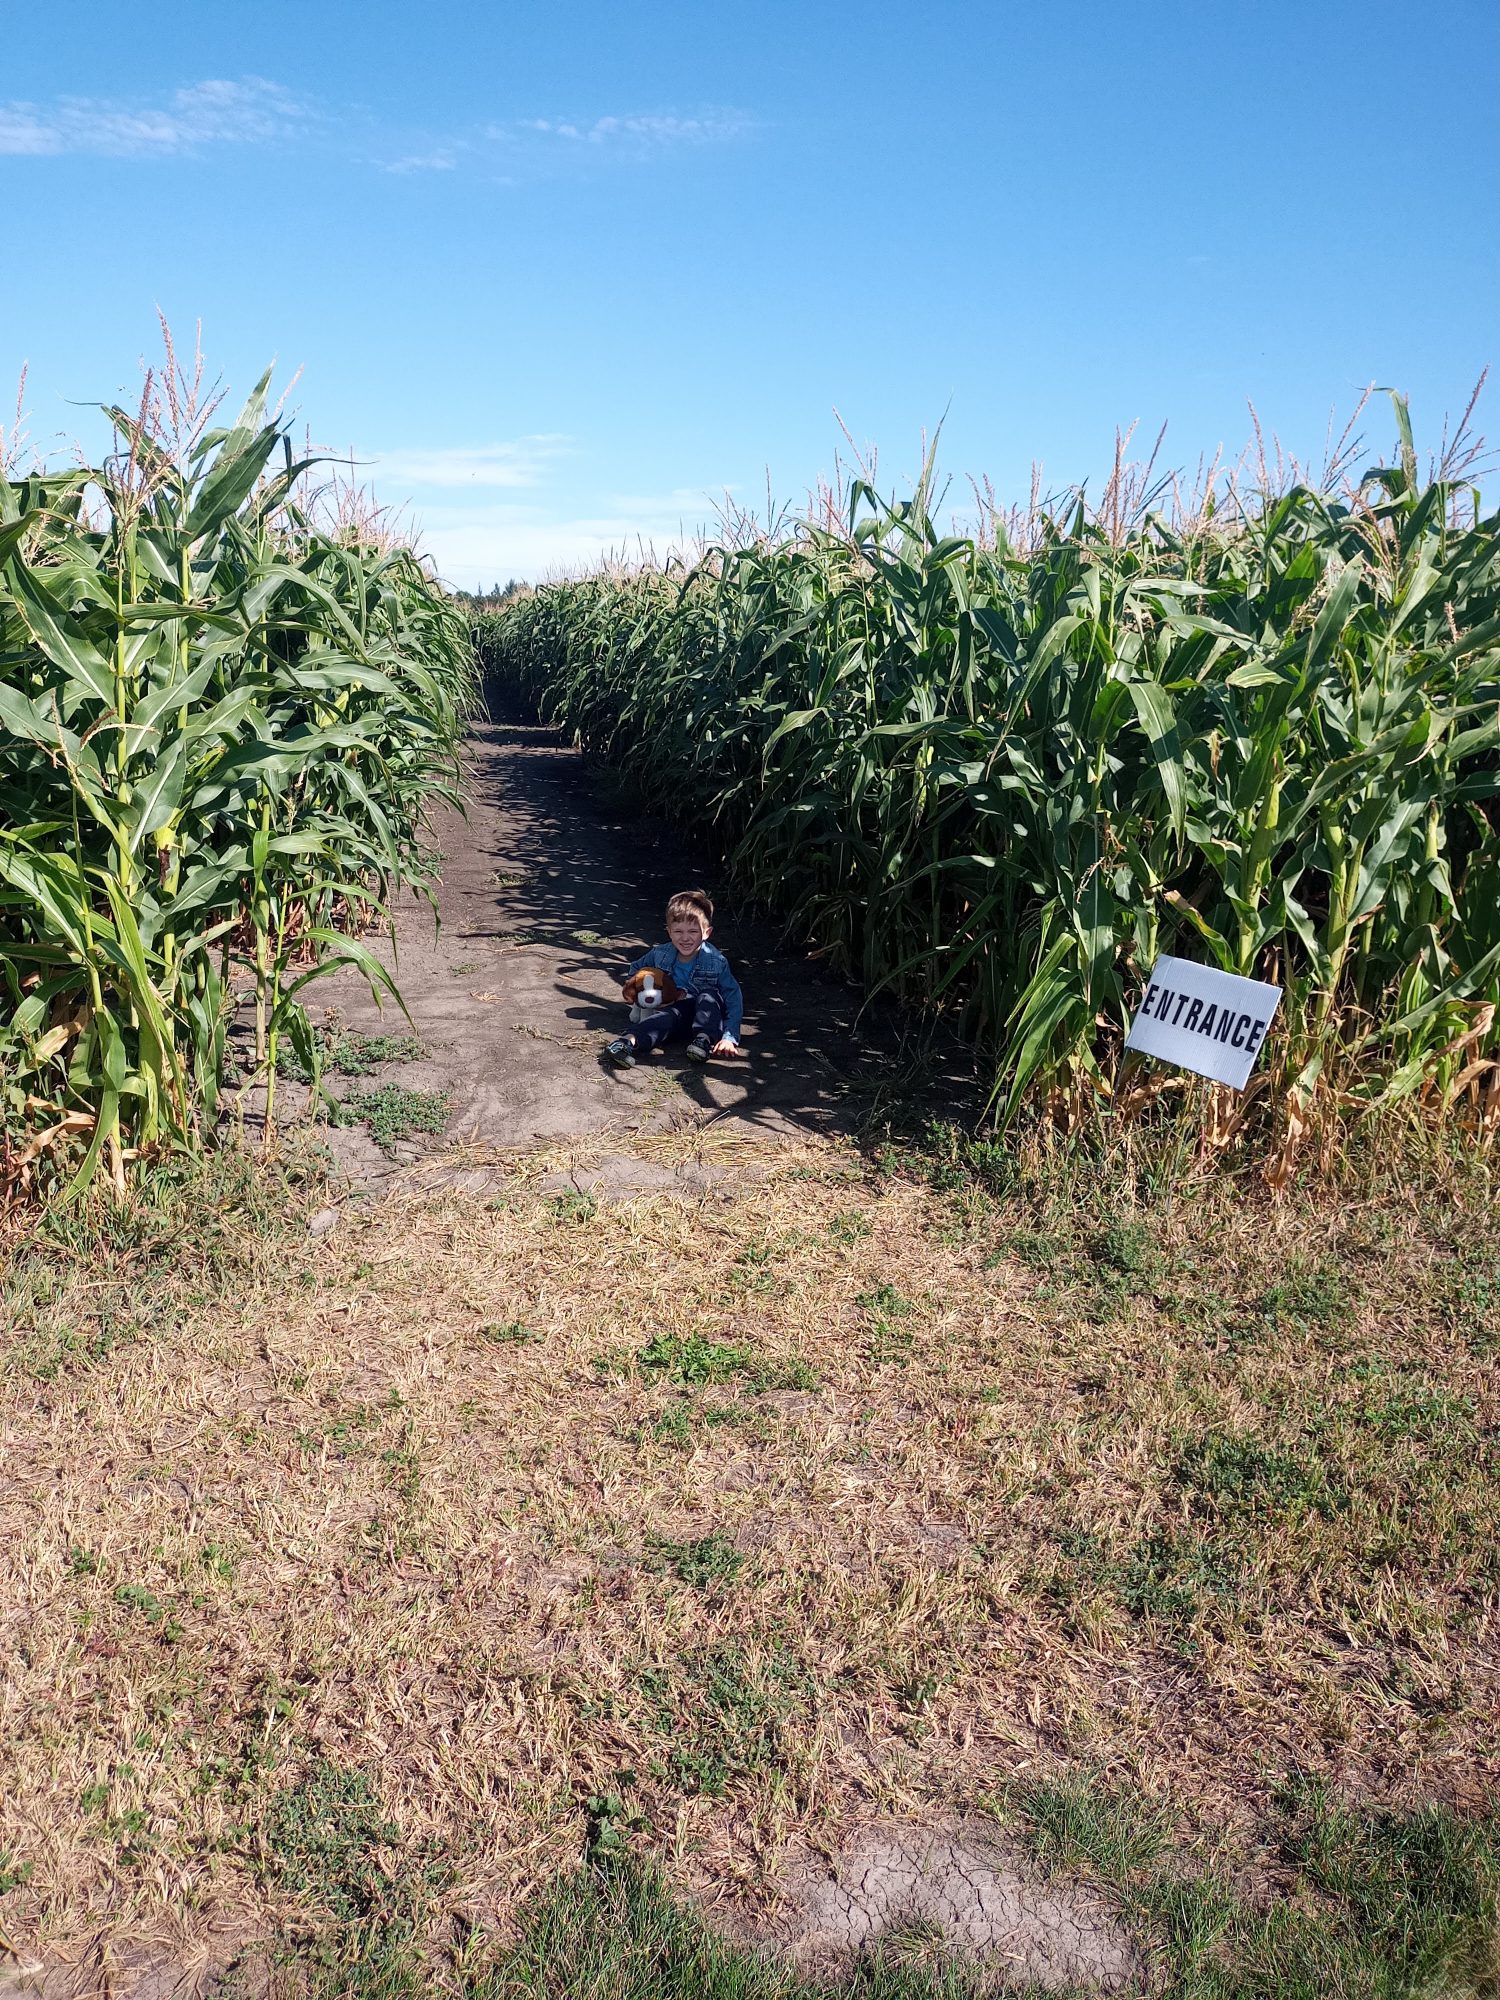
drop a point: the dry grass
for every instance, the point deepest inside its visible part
(851, 1495)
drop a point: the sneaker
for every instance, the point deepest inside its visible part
(621, 1052)
(699, 1048)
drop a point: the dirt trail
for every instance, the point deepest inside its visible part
(549, 886)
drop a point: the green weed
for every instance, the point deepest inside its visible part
(709, 1563)
(850, 1225)
(1233, 1477)
(571, 1207)
(693, 1361)
(14, 1874)
(395, 1114)
(680, 1424)
(508, 1333)
(724, 1710)
(326, 1835)
(887, 1340)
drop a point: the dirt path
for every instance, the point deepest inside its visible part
(549, 887)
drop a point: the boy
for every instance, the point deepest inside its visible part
(712, 1004)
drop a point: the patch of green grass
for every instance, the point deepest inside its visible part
(325, 1836)
(72, 1293)
(850, 1225)
(887, 1340)
(136, 1597)
(355, 1054)
(1073, 1822)
(1042, 1249)
(690, 1359)
(343, 1435)
(1380, 1904)
(14, 1874)
(693, 1362)
(753, 1269)
(709, 1563)
(1127, 1246)
(952, 1160)
(394, 1114)
(724, 1710)
(350, 1052)
(1418, 1891)
(1170, 1578)
(219, 1561)
(1419, 1412)
(1234, 1477)
(680, 1424)
(1310, 1295)
(1467, 1293)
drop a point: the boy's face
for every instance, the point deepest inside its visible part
(687, 933)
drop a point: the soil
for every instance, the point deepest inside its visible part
(551, 883)
(977, 1897)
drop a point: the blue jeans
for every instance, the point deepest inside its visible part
(694, 1014)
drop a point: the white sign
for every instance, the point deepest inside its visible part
(1203, 1020)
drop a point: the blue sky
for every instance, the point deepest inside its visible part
(561, 274)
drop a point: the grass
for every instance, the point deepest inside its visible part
(619, 1934)
(710, 1562)
(360, 1601)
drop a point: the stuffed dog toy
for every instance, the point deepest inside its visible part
(649, 989)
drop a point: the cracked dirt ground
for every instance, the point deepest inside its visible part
(982, 1898)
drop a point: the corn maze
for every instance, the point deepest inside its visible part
(220, 723)
(1002, 773)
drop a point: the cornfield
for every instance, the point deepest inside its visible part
(1000, 774)
(220, 725)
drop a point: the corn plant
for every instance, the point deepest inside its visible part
(222, 727)
(1003, 778)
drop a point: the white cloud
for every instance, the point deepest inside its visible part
(491, 544)
(521, 462)
(250, 110)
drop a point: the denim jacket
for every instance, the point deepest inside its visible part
(707, 971)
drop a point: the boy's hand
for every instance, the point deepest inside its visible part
(726, 1045)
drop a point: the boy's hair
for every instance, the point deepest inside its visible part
(691, 903)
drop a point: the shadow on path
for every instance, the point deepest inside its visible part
(549, 886)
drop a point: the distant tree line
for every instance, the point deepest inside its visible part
(487, 600)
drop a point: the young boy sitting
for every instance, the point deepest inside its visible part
(711, 1005)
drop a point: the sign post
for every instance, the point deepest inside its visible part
(1204, 1020)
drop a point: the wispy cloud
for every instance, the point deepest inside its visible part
(441, 161)
(248, 111)
(490, 543)
(520, 462)
(253, 110)
(653, 131)
(537, 145)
